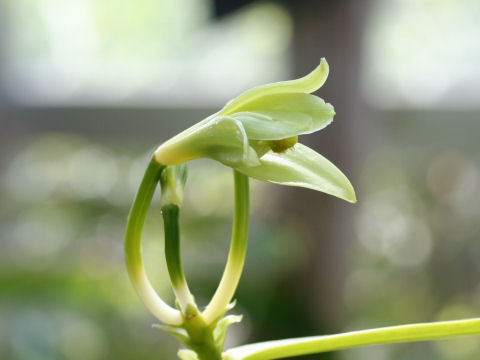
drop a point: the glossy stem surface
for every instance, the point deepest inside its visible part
(170, 214)
(133, 248)
(236, 257)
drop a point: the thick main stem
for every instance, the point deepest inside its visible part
(133, 248)
(316, 344)
(236, 257)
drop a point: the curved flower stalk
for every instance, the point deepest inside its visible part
(133, 250)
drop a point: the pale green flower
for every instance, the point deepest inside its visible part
(256, 134)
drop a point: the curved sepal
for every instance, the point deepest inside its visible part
(306, 84)
(303, 167)
(281, 116)
(222, 139)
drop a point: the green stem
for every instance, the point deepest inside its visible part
(236, 257)
(170, 214)
(133, 249)
(317, 344)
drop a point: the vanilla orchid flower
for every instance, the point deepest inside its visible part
(256, 134)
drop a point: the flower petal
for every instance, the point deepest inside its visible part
(304, 167)
(306, 84)
(279, 116)
(222, 139)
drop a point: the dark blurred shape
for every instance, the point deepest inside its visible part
(225, 7)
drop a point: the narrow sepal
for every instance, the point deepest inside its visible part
(303, 167)
(306, 84)
(281, 116)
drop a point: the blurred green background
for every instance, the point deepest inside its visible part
(89, 88)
